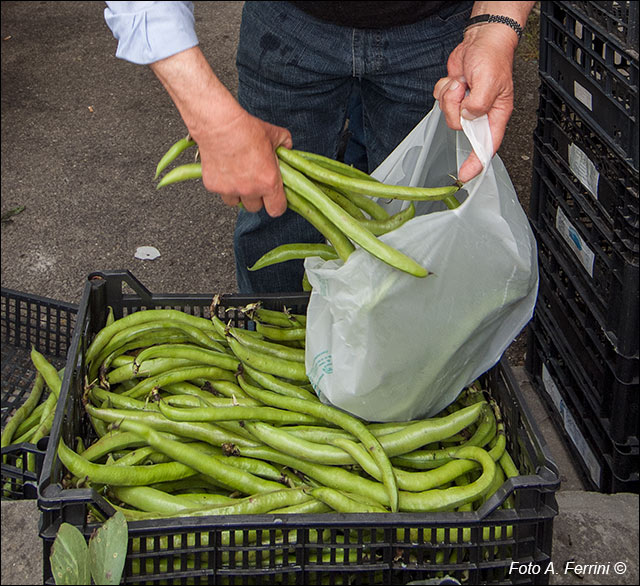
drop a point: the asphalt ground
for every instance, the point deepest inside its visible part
(81, 134)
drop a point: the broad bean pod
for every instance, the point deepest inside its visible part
(281, 334)
(211, 466)
(134, 457)
(153, 367)
(380, 227)
(195, 354)
(277, 385)
(181, 173)
(110, 442)
(234, 413)
(172, 154)
(208, 393)
(260, 503)
(30, 421)
(427, 431)
(152, 500)
(280, 439)
(340, 502)
(205, 432)
(23, 412)
(121, 475)
(267, 347)
(286, 252)
(358, 185)
(187, 373)
(425, 459)
(169, 336)
(282, 318)
(282, 367)
(335, 165)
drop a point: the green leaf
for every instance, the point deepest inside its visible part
(108, 550)
(70, 557)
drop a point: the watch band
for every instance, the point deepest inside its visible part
(489, 18)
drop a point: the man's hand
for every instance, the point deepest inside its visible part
(239, 163)
(237, 149)
(483, 65)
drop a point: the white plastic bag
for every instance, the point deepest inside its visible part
(384, 345)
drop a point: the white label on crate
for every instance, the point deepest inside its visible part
(551, 388)
(571, 427)
(583, 94)
(584, 169)
(574, 240)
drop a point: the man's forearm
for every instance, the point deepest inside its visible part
(199, 95)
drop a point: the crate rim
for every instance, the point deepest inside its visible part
(388, 520)
(13, 293)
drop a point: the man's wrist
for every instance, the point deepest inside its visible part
(496, 33)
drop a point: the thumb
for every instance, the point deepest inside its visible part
(470, 168)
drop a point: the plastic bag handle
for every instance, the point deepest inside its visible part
(479, 134)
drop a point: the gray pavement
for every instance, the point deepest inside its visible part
(81, 135)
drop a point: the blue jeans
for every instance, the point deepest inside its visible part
(299, 72)
(355, 151)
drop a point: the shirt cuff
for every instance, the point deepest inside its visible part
(149, 31)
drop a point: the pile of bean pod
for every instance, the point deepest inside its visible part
(337, 199)
(32, 421)
(194, 416)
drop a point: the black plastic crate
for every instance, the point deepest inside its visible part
(605, 271)
(606, 466)
(611, 472)
(26, 321)
(608, 189)
(383, 547)
(594, 72)
(589, 354)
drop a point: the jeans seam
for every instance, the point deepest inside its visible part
(358, 43)
(353, 52)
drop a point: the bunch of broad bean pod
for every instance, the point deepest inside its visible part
(197, 417)
(338, 200)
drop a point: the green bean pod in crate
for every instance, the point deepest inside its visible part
(229, 468)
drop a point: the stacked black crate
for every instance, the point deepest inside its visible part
(583, 345)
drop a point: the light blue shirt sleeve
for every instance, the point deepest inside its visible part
(149, 31)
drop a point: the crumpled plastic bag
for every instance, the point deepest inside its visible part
(384, 345)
